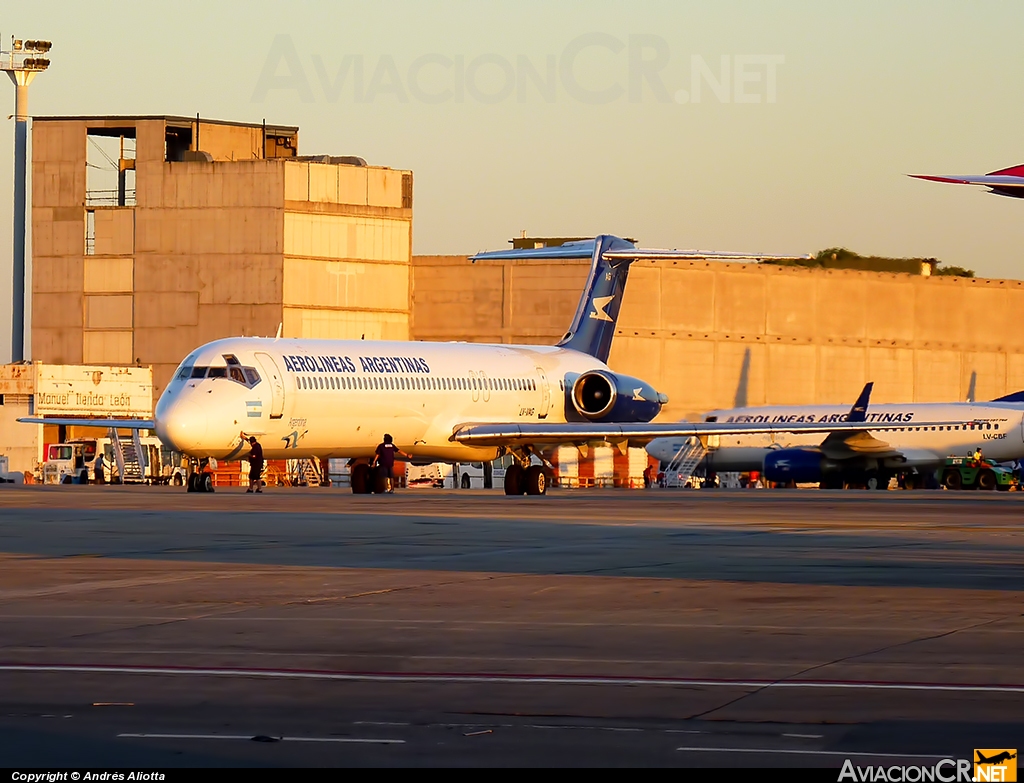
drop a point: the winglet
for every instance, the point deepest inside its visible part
(859, 411)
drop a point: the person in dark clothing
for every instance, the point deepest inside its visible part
(385, 460)
(255, 464)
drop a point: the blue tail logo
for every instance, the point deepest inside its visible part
(593, 326)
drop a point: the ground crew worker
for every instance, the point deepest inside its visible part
(99, 477)
(977, 457)
(385, 460)
(255, 464)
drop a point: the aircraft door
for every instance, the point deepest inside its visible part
(272, 373)
(545, 395)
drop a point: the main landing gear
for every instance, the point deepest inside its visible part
(532, 480)
(367, 480)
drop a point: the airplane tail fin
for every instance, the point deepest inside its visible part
(1015, 397)
(859, 411)
(593, 325)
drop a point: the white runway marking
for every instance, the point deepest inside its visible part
(361, 740)
(515, 679)
(843, 753)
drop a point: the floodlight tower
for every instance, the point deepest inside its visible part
(24, 60)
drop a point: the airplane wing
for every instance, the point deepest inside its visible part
(1005, 182)
(641, 434)
(121, 424)
(844, 437)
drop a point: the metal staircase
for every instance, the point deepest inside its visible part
(307, 473)
(130, 456)
(685, 461)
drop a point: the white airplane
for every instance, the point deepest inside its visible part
(926, 433)
(451, 402)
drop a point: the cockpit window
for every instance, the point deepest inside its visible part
(184, 372)
(246, 376)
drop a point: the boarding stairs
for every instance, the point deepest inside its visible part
(307, 473)
(130, 456)
(680, 468)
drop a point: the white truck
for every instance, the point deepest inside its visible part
(462, 475)
(131, 459)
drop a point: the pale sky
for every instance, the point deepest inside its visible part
(801, 142)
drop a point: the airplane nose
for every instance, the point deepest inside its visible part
(181, 425)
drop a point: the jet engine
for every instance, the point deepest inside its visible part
(802, 466)
(600, 395)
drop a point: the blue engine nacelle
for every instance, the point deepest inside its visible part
(802, 466)
(600, 395)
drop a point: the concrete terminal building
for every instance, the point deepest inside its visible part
(211, 229)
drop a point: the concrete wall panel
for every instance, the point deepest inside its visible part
(730, 357)
(383, 187)
(352, 185)
(108, 312)
(688, 298)
(838, 367)
(345, 284)
(892, 371)
(52, 310)
(323, 183)
(991, 374)
(114, 347)
(739, 302)
(108, 275)
(889, 309)
(937, 376)
(115, 231)
(169, 310)
(164, 348)
(841, 306)
(641, 311)
(57, 345)
(689, 368)
(239, 279)
(57, 275)
(792, 306)
(791, 375)
(234, 320)
(296, 181)
(345, 325)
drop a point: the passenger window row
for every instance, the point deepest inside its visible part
(946, 428)
(414, 383)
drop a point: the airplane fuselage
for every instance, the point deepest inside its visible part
(337, 398)
(999, 433)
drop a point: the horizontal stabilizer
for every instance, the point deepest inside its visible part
(121, 424)
(581, 249)
(653, 254)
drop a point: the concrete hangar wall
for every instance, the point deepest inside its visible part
(212, 229)
(812, 336)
